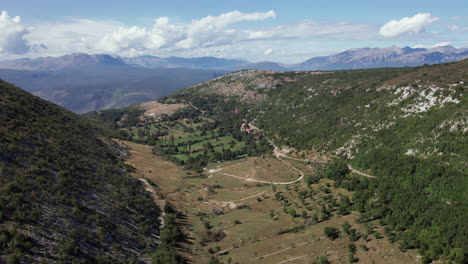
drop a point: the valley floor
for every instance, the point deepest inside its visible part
(244, 219)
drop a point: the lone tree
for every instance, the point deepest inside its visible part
(331, 232)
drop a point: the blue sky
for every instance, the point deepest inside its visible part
(284, 31)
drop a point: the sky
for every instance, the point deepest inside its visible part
(255, 30)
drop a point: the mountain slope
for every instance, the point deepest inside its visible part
(74, 60)
(206, 63)
(94, 88)
(383, 57)
(65, 195)
(407, 126)
(360, 58)
(264, 65)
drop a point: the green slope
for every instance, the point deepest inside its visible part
(65, 195)
(408, 126)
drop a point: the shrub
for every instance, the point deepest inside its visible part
(331, 232)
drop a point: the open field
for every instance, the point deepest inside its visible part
(266, 169)
(259, 223)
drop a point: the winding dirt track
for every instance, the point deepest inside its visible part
(279, 156)
(360, 173)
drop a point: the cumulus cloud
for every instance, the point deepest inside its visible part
(205, 32)
(205, 36)
(407, 25)
(214, 31)
(70, 35)
(12, 34)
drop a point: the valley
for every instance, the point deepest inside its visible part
(271, 162)
(259, 222)
(362, 166)
(233, 132)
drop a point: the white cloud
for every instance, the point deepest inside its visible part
(207, 36)
(205, 32)
(215, 31)
(310, 29)
(457, 28)
(218, 36)
(12, 34)
(268, 52)
(407, 25)
(441, 44)
(70, 35)
(453, 27)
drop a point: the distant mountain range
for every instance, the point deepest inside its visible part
(350, 59)
(103, 86)
(361, 58)
(205, 63)
(75, 60)
(386, 57)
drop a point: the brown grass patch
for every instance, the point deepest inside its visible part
(154, 107)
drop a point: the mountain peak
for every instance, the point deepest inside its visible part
(360, 58)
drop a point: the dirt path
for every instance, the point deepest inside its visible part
(281, 251)
(292, 259)
(260, 181)
(245, 198)
(278, 154)
(360, 173)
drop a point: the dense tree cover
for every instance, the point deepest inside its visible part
(422, 188)
(403, 202)
(116, 118)
(170, 236)
(417, 152)
(64, 192)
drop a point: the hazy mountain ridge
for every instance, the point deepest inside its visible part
(74, 60)
(359, 58)
(386, 57)
(93, 88)
(206, 63)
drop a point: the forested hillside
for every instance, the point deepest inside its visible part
(65, 195)
(407, 126)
